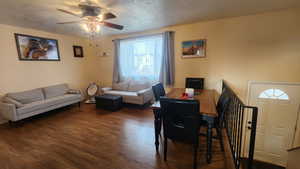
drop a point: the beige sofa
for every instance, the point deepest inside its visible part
(20, 105)
(133, 92)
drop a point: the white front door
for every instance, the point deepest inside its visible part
(278, 107)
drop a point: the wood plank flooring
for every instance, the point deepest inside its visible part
(86, 138)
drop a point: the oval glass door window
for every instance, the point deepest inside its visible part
(274, 94)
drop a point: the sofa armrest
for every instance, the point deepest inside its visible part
(147, 95)
(144, 91)
(104, 89)
(8, 111)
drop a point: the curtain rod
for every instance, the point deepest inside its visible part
(140, 36)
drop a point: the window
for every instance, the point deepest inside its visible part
(274, 94)
(141, 58)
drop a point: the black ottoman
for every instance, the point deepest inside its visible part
(109, 102)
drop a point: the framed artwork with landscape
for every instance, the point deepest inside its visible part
(33, 48)
(194, 49)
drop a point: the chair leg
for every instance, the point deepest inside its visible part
(165, 148)
(195, 156)
(209, 143)
(219, 132)
(157, 126)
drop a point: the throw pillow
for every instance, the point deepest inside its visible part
(73, 91)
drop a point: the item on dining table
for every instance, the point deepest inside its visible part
(189, 92)
(184, 96)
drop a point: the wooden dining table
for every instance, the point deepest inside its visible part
(208, 113)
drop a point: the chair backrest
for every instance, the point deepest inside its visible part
(158, 91)
(195, 83)
(181, 119)
(223, 105)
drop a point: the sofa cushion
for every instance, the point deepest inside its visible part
(63, 99)
(12, 101)
(135, 86)
(56, 90)
(28, 108)
(123, 86)
(27, 96)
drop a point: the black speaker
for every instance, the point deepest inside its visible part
(195, 83)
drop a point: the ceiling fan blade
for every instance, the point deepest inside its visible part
(112, 25)
(89, 6)
(68, 12)
(69, 22)
(109, 15)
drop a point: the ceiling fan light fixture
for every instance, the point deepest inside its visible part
(91, 27)
(92, 18)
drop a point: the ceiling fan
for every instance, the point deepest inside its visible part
(92, 15)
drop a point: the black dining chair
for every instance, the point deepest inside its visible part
(222, 106)
(181, 122)
(158, 91)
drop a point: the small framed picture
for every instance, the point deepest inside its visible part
(194, 49)
(78, 51)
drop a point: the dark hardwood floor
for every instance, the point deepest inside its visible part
(86, 138)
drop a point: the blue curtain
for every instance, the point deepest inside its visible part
(168, 64)
(116, 71)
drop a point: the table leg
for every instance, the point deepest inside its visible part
(209, 142)
(157, 126)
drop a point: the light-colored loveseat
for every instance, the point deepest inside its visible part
(20, 105)
(132, 91)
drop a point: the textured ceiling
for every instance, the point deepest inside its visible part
(135, 15)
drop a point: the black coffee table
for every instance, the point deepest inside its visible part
(109, 102)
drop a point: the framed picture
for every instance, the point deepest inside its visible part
(33, 48)
(78, 51)
(194, 49)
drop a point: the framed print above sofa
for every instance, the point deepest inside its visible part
(33, 48)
